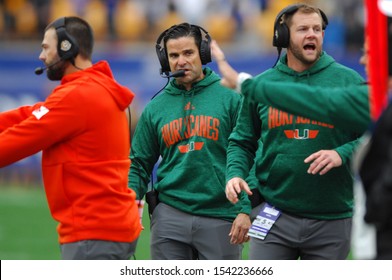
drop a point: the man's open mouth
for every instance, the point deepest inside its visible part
(310, 46)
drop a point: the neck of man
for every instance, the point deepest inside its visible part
(297, 64)
(78, 65)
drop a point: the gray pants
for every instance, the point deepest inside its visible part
(293, 237)
(176, 235)
(97, 250)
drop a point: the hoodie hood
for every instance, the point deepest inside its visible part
(102, 74)
(174, 88)
(323, 62)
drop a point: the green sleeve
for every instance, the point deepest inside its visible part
(245, 203)
(252, 180)
(346, 151)
(243, 141)
(144, 154)
(345, 107)
(240, 150)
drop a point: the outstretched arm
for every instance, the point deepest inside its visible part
(323, 104)
(229, 75)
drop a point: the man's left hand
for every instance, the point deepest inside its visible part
(323, 161)
(239, 230)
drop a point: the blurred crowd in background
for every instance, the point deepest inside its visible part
(126, 31)
(230, 21)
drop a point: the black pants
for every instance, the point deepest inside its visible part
(384, 244)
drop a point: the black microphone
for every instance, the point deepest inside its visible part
(176, 74)
(40, 70)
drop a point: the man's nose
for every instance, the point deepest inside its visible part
(41, 56)
(181, 60)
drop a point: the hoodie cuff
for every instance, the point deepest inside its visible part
(240, 79)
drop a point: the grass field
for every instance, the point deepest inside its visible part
(28, 232)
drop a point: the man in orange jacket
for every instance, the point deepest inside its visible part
(82, 131)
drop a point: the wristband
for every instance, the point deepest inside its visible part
(140, 206)
(240, 79)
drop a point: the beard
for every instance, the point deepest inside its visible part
(56, 72)
(298, 54)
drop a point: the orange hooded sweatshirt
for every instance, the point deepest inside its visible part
(83, 132)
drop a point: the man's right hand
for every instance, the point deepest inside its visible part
(229, 75)
(234, 187)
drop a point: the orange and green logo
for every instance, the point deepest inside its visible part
(304, 134)
(193, 125)
(190, 147)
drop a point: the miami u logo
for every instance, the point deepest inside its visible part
(306, 134)
(190, 147)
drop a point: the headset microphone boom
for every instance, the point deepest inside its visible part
(40, 70)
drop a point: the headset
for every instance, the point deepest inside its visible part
(281, 38)
(67, 47)
(204, 48)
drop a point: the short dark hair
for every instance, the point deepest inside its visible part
(183, 30)
(82, 32)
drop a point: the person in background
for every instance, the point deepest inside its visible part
(294, 150)
(375, 173)
(188, 126)
(370, 160)
(82, 131)
(374, 168)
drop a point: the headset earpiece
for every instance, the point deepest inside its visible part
(67, 46)
(205, 46)
(204, 49)
(281, 38)
(161, 53)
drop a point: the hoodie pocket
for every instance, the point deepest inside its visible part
(288, 169)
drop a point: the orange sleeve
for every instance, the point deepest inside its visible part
(48, 123)
(13, 117)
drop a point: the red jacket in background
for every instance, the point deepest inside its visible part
(83, 132)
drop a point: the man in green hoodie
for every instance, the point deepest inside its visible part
(304, 215)
(188, 126)
(326, 104)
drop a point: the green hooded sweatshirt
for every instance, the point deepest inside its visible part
(189, 130)
(287, 139)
